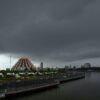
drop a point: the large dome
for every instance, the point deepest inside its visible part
(24, 64)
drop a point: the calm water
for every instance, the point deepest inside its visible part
(84, 89)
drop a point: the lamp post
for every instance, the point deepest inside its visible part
(10, 61)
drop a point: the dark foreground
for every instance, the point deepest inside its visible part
(16, 88)
(84, 89)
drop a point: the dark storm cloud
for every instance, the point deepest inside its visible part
(53, 30)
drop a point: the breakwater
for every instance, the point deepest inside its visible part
(26, 86)
(64, 79)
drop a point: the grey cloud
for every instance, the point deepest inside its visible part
(53, 30)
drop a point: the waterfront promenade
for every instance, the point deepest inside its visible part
(24, 86)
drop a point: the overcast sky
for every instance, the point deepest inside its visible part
(57, 32)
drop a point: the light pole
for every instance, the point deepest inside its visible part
(10, 61)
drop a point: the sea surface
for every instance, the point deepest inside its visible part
(83, 89)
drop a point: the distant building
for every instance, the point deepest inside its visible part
(24, 64)
(87, 65)
(41, 65)
(66, 68)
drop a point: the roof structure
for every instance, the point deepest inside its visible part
(24, 64)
